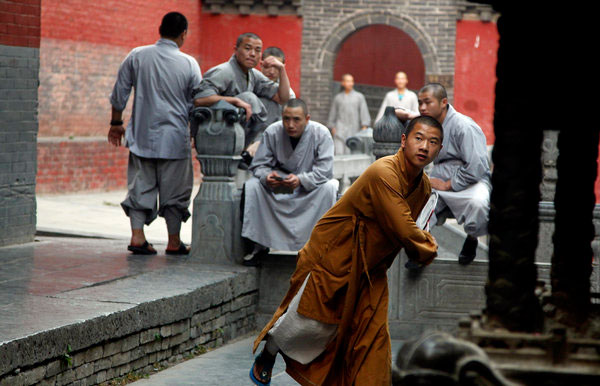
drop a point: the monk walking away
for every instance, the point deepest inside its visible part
(331, 327)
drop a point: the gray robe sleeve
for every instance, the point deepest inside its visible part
(333, 112)
(264, 160)
(365, 117)
(322, 170)
(472, 145)
(195, 79)
(216, 82)
(123, 85)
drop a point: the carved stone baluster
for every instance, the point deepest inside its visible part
(387, 134)
(216, 226)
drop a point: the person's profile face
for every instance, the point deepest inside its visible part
(271, 72)
(401, 80)
(422, 145)
(430, 106)
(294, 121)
(248, 52)
(347, 83)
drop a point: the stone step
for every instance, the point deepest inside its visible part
(80, 311)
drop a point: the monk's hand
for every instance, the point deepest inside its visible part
(438, 184)
(272, 61)
(251, 149)
(274, 180)
(246, 106)
(115, 134)
(405, 114)
(292, 181)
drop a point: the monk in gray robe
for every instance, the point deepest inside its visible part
(461, 172)
(348, 115)
(273, 108)
(292, 185)
(239, 83)
(158, 137)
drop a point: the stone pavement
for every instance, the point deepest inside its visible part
(228, 365)
(99, 215)
(83, 309)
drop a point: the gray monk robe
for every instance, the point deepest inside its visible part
(464, 161)
(228, 79)
(284, 221)
(349, 112)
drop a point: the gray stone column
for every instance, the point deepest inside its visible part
(387, 134)
(216, 222)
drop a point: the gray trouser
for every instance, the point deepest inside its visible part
(169, 180)
(470, 207)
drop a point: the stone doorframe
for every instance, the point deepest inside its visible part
(317, 76)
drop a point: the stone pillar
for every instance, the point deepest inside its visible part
(216, 222)
(387, 134)
(361, 142)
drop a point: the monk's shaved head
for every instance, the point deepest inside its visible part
(436, 89)
(296, 102)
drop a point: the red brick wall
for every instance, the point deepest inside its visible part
(65, 166)
(219, 33)
(89, 164)
(20, 23)
(82, 46)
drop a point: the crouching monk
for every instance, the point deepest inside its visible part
(331, 327)
(292, 184)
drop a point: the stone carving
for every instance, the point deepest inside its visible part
(440, 359)
(216, 225)
(213, 233)
(387, 134)
(361, 142)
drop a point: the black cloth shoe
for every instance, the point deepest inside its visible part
(469, 250)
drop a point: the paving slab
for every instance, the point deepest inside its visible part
(227, 365)
(98, 214)
(83, 291)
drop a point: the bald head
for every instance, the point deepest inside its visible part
(437, 90)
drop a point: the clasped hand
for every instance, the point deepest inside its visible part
(274, 180)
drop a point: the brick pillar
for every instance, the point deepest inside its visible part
(19, 65)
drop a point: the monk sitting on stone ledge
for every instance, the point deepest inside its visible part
(292, 185)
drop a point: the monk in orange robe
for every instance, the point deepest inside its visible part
(331, 327)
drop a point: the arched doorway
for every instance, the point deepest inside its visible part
(373, 55)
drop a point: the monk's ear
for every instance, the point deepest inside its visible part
(403, 143)
(308, 117)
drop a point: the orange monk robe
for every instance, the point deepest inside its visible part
(347, 256)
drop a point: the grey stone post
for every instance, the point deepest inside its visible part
(387, 134)
(216, 223)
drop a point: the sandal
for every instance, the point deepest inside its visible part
(141, 249)
(264, 378)
(182, 250)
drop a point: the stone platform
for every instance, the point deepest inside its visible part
(84, 311)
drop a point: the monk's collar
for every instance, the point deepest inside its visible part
(233, 61)
(167, 42)
(402, 161)
(449, 114)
